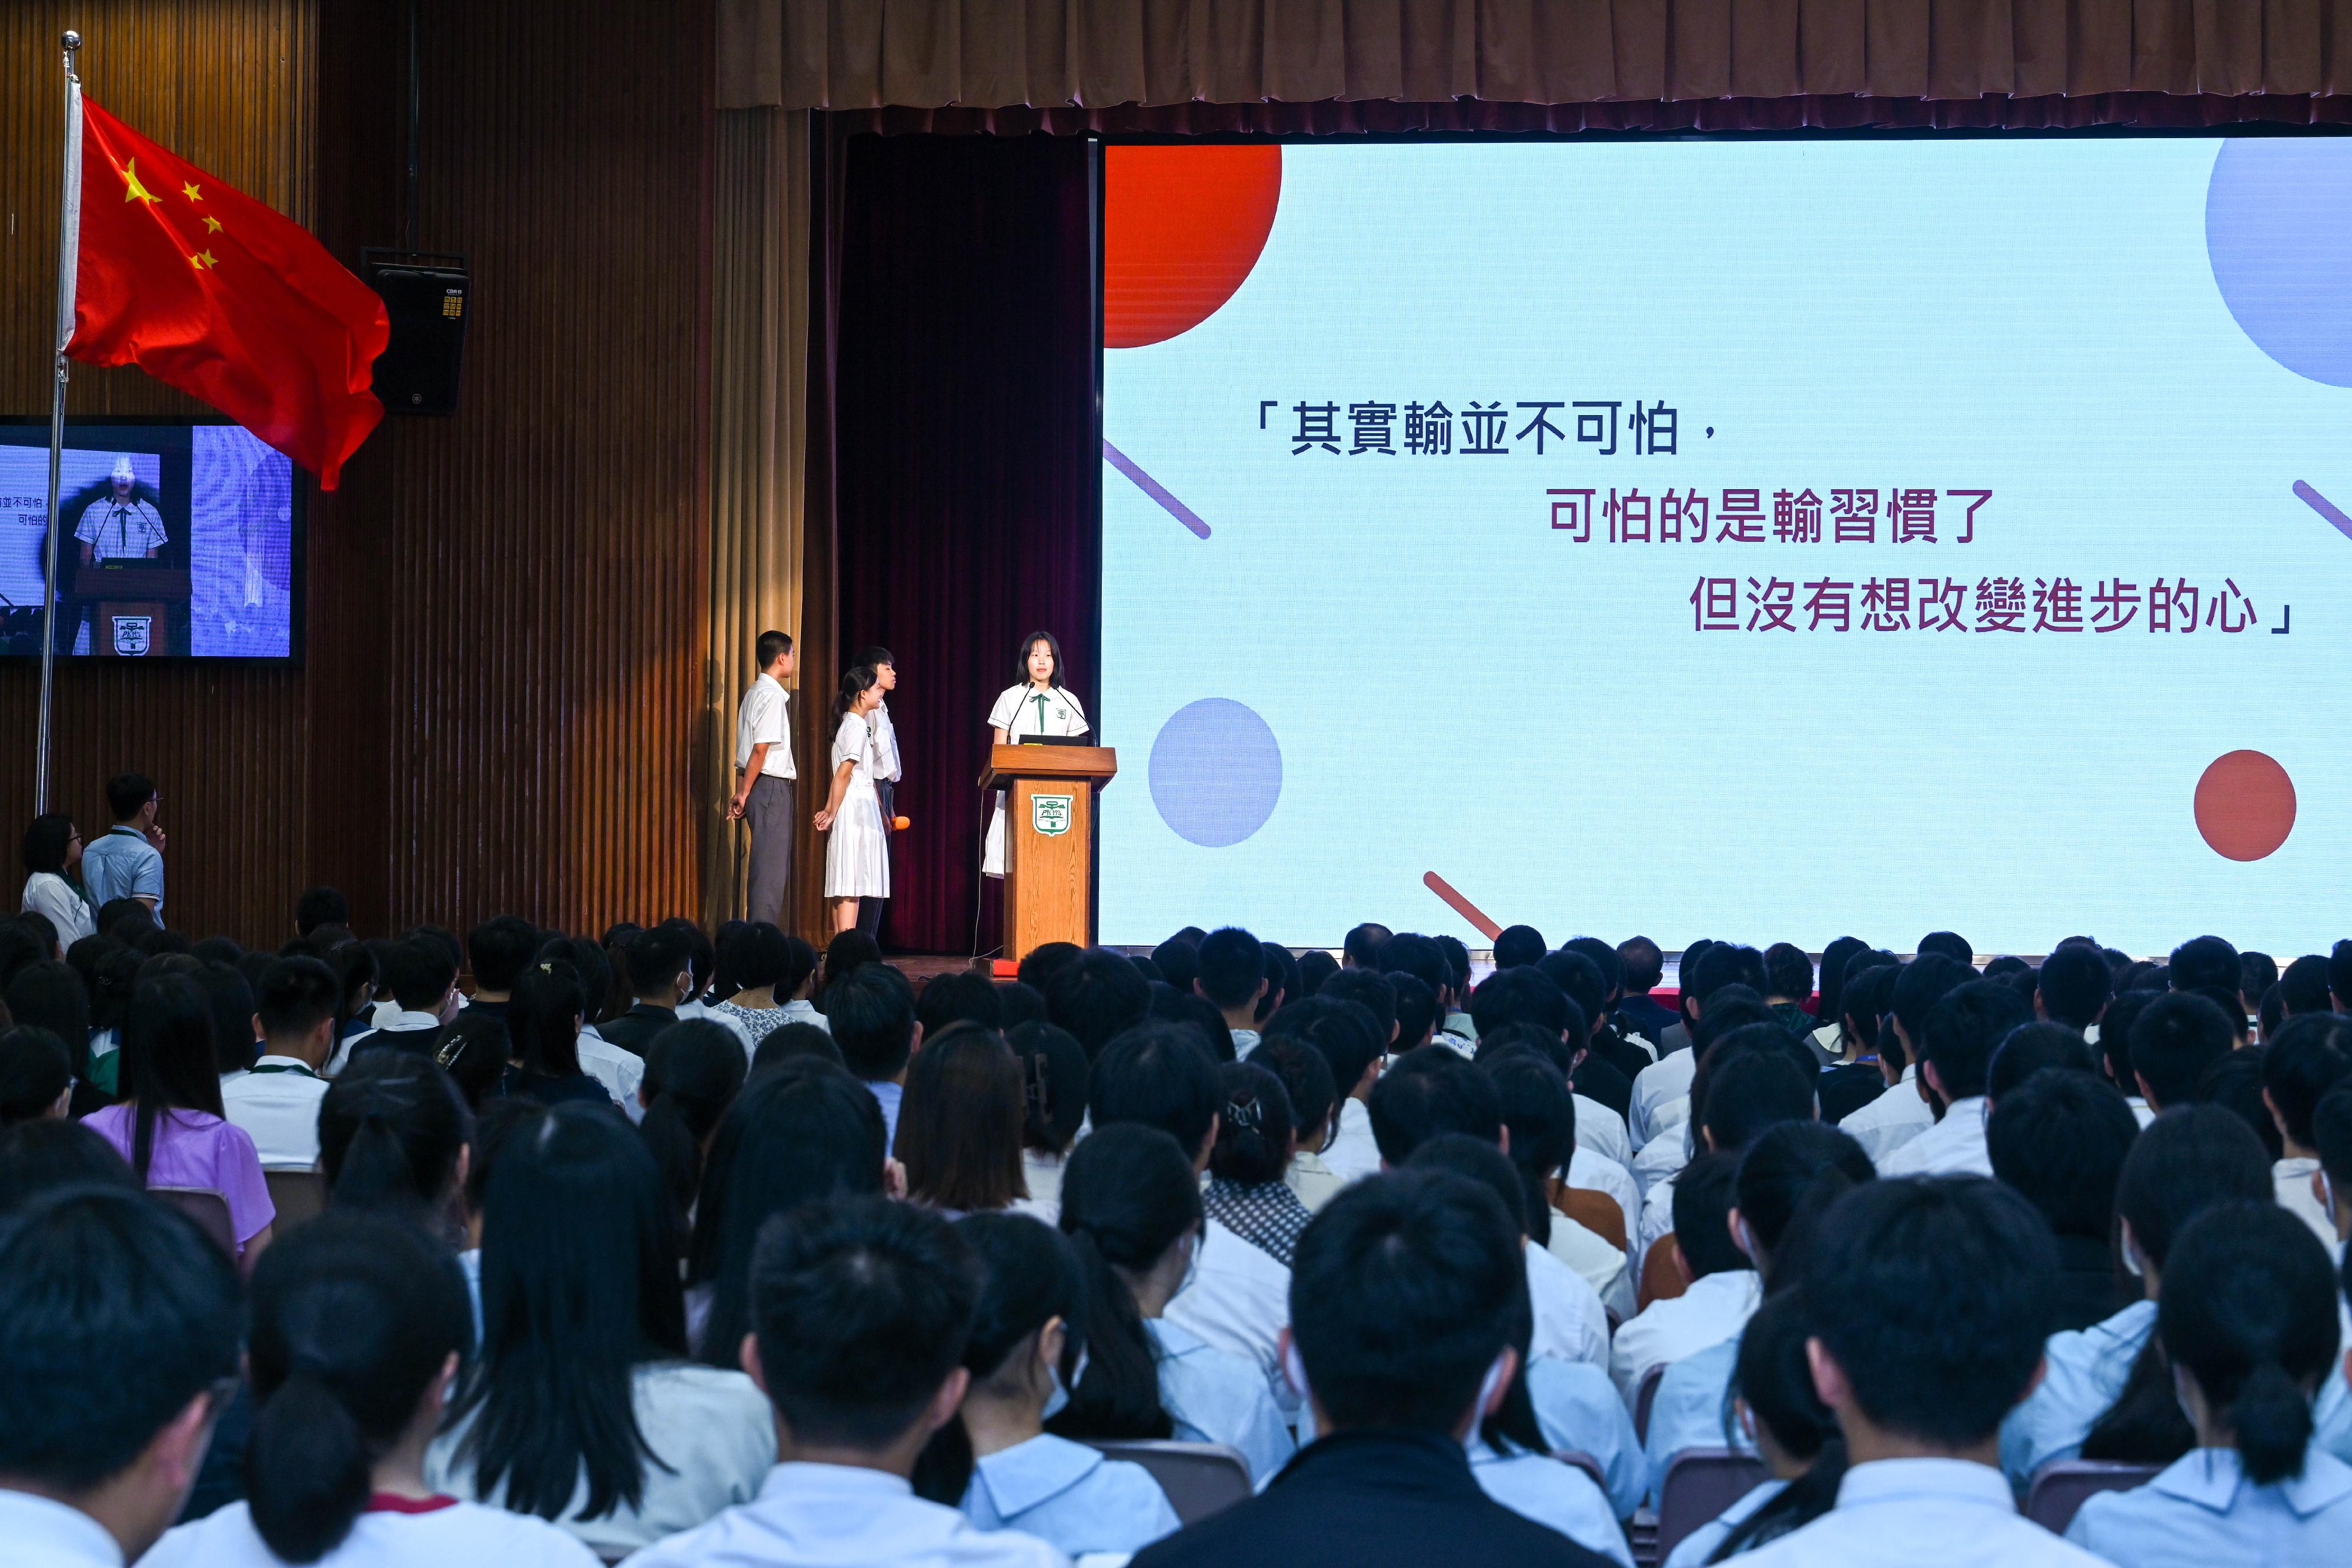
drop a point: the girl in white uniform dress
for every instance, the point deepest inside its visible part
(856, 857)
(1037, 704)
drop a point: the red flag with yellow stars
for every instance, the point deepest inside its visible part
(209, 290)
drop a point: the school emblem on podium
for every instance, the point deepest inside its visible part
(132, 634)
(1050, 815)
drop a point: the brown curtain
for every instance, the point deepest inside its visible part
(986, 53)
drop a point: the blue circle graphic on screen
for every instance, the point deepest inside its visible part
(2278, 228)
(1216, 772)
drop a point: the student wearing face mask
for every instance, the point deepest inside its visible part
(996, 1457)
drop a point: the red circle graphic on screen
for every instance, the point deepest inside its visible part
(1182, 227)
(2245, 805)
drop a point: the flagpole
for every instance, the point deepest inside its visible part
(69, 249)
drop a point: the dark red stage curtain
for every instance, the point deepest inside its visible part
(963, 489)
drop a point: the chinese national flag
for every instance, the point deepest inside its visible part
(207, 289)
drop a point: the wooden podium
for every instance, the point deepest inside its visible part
(1049, 841)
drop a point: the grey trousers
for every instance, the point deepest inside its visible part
(770, 813)
(869, 910)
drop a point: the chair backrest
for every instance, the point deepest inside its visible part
(297, 1195)
(1699, 1485)
(1200, 1479)
(1585, 1462)
(2060, 1486)
(1661, 1280)
(1596, 1211)
(1646, 1394)
(207, 1208)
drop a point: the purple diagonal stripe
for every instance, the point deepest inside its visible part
(2320, 504)
(1155, 490)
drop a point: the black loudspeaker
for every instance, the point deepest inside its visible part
(428, 299)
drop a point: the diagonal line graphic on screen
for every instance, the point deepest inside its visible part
(1461, 905)
(2324, 507)
(1154, 488)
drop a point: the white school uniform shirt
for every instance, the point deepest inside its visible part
(714, 1429)
(1557, 1496)
(1892, 1120)
(1569, 1324)
(1715, 1308)
(885, 744)
(1953, 1147)
(1665, 1081)
(1599, 1173)
(277, 1104)
(1070, 1496)
(2083, 1371)
(1212, 1396)
(1689, 1409)
(2292, 1179)
(2200, 1511)
(1596, 1262)
(1311, 1181)
(1660, 1161)
(1021, 710)
(1699, 1545)
(1354, 1153)
(763, 715)
(47, 893)
(438, 1537)
(620, 1072)
(1921, 1513)
(1602, 1131)
(1239, 1300)
(843, 1516)
(399, 1021)
(1657, 1215)
(1577, 1407)
(43, 1533)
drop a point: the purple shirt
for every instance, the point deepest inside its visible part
(196, 1148)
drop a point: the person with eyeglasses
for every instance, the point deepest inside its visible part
(52, 869)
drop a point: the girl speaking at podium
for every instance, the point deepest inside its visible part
(857, 856)
(1037, 705)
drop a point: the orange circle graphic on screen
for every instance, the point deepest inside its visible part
(2245, 805)
(1182, 227)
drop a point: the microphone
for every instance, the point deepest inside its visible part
(899, 824)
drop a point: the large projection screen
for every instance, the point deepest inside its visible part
(1752, 538)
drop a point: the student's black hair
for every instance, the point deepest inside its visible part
(235, 1048)
(871, 1012)
(2033, 1048)
(2331, 1135)
(579, 1288)
(2303, 984)
(296, 996)
(798, 1039)
(500, 1121)
(2310, 1056)
(1724, 1038)
(1958, 1037)
(545, 1018)
(1835, 959)
(694, 1070)
(656, 957)
(1402, 1295)
(168, 1061)
(2007, 965)
(1346, 1034)
(355, 979)
(1228, 967)
(1582, 982)
(1950, 944)
(1863, 1003)
(1686, 998)
(1128, 1196)
(1476, 1159)
(1773, 1377)
(124, 919)
(2115, 1039)
(1431, 1090)
(1190, 1008)
(1281, 978)
(2235, 1083)
(1410, 953)
(1417, 1011)
(756, 953)
(1788, 972)
(1754, 1091)
(47, 840)
(354, 1316)
(1362, 942)
(1020, 1003)
(36, 1069)
(500, 949)
(1028, 1276)
(855, 681)
(127, 792)
(1178, 960)
(391, 1127)
(1603, 958)
(1159, 1074)
(52, 995)
(960, 1124)
(2075, 986)
(1457, 959)
(1729, 964)
(1524, 995)
(1934, 1297)
(1021, 663)
(89, 1275)
(1645, 965)
(2174, 1041)
(48, 1152)
(800, 1131)
(320, 906)
(861, 1307)
(1785, 1180)
(2257, 973)
(1703, 1197)
(1315, 967)
(2061, 1138)
(1516, 945)
(1922, 983)
(960, 995)
(1045, 961)
(2270, 1013)
(2233, 1008)
(1539, 1112)
(1306, 1079)
(1097, 995)
(1524, 1039)
(2188, 1160)
(420, 974)
(2339, 973)
(1052, 1086)
(2204, 961)
(2249, 1312)
(1370, 992)
(1254, 1127)
(769, 647)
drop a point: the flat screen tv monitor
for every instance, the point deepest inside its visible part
(182, 538)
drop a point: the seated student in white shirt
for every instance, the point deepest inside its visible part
(995, 1460)
(393, 1136)
(1750, 1079)
(1902, 1114)
(1779, 1414)
(1723, 1288)
(276, 1103)
(2073, 989)
(1539, 1114)
(1349, 1036)
(1131, 1208)
(582, 1406)
(1927, 1300)
(94, 1463)
(1956, 1046)
(359, 1323)
(2177, 1038)
(1675, 1138)
(1568, 1320)
(424, 980)
(1054, 1075)
(621, 1072)
(2310, 1056)
(1231, 977)
(1708, 969)
(2107, 1392)
(862, 1308)
(1306, 1079)
(1528, 996)
(2250, 1325)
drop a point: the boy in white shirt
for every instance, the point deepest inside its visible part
(1956, 1046)
(861, 1310)
(278, 1101)
(1723, 1289)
